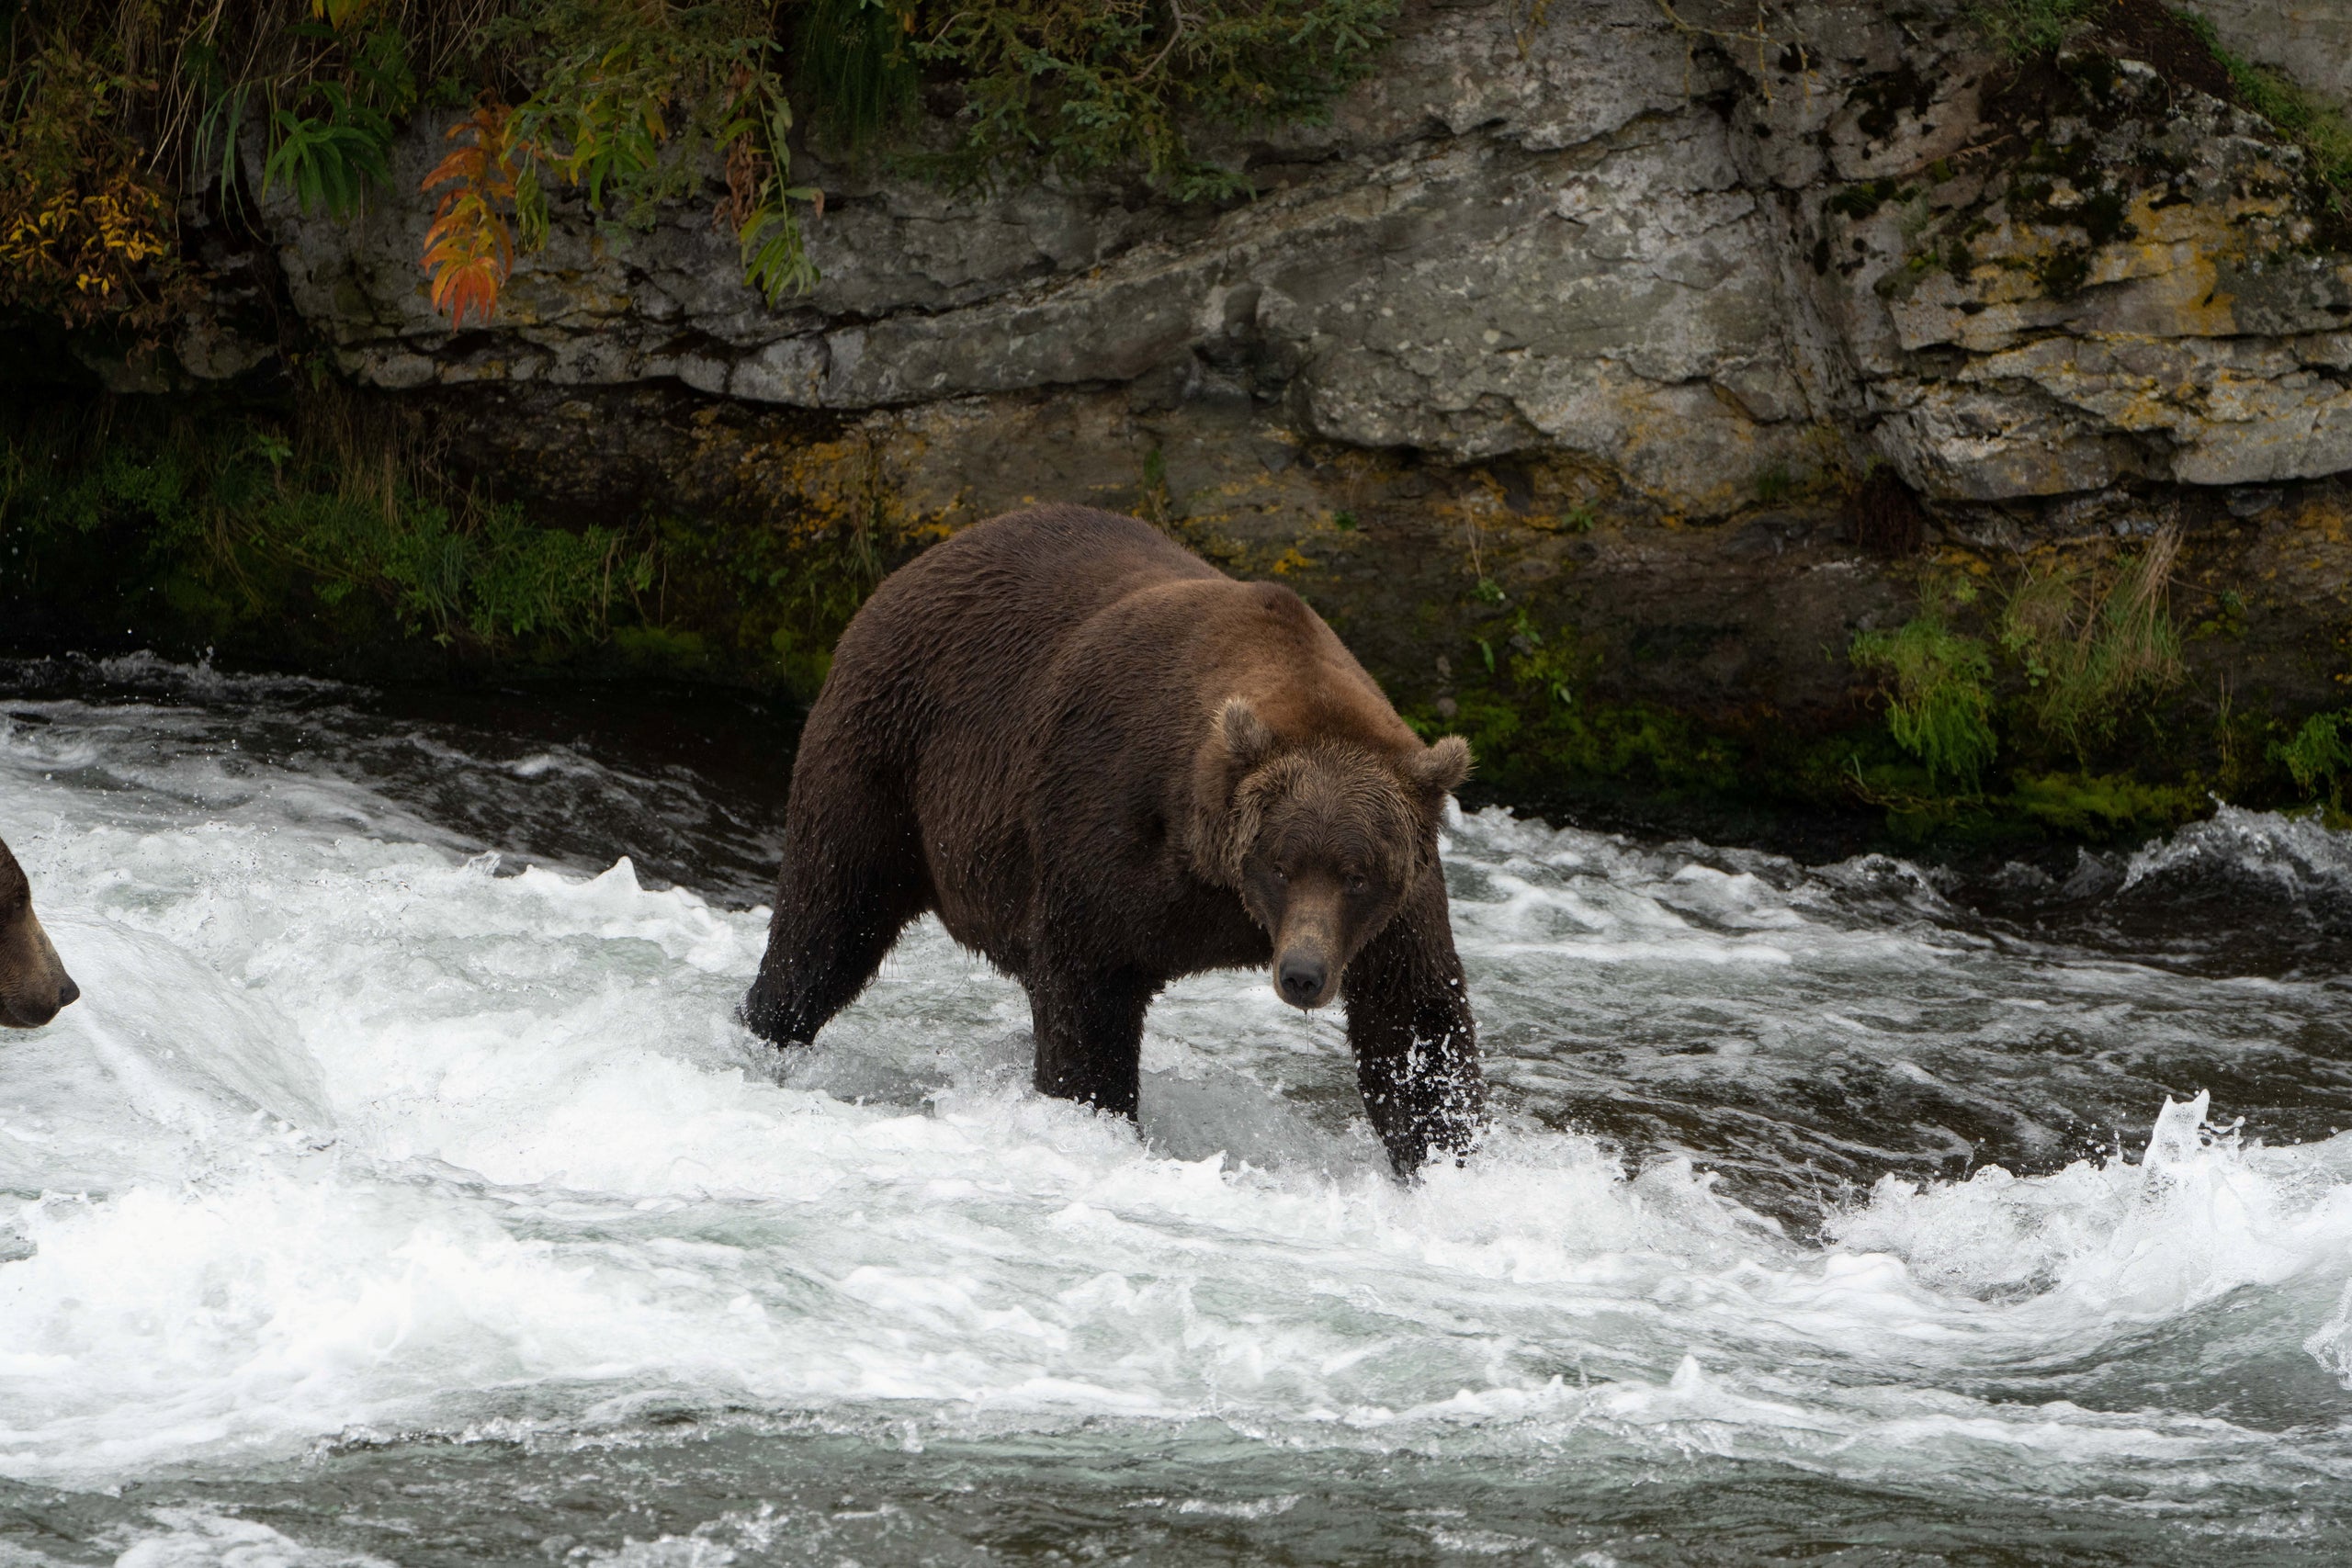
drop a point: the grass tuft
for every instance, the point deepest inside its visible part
(2089, 641)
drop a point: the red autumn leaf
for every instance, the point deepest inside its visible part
(470, 250)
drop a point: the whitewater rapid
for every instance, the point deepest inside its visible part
(369, 1130)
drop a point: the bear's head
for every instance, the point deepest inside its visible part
(1323, 839)
(33, 984)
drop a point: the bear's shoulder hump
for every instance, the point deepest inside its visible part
(1274, 599)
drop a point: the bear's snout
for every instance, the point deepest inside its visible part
(1303, 979)
(1311, 937)
(31, 1004)
(34, 985)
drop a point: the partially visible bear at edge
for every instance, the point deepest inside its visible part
(34, 985)
(1105, 765)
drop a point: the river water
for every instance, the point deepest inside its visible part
(401, 1191)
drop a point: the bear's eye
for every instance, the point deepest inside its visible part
(1280, 874)
(1357, 885)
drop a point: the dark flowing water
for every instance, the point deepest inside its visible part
(403, 1191)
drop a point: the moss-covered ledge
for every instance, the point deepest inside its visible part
(1829, 665)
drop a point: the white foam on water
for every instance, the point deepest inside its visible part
(352, 1132)
(194, 1538)
(2199, 1216)
(2299, 853)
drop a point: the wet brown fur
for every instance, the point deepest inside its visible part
(1105, 765)
(34, 987)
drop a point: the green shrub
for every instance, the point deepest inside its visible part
(330, 140)
(2319, 758)
(1940, 707)
(87, 231)
(853, 65)
(233, 510)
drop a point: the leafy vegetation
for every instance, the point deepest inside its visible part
(330, 139)
(2072, 651)
(1940, 706)
(1092, 85)
(116, 114)
(86, 234)
(854, 64)
(1531, 746)
(2319, 758)
(241, 516)
(630, 100)
(1970, 750)
(2086, 644)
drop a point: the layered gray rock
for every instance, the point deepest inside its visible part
(1626, 236)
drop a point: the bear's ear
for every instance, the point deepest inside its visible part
(1438, 770)
(1248, 741)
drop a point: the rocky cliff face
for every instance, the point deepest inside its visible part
(1677, 252)
(1601, 310)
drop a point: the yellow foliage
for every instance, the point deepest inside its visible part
(83, 232)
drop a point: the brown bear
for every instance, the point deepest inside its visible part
(1105, 764)
(34, 985)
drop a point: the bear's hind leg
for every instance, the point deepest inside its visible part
(1089, 1033)
(853, 878)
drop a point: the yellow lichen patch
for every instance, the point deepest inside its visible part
(2183, 300)
(2161, 274)
(2324, 516)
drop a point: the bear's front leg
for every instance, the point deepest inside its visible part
(1089, 1023)
(1409, 1026)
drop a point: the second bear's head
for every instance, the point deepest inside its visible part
(34, 985)
(1324, 839)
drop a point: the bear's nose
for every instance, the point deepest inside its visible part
(1301, 979)
(68, 993)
